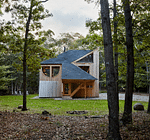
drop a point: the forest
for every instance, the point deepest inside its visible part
(121, 33)
(42, 45)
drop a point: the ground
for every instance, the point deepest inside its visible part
(16, 125)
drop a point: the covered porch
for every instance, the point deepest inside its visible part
(78, 88)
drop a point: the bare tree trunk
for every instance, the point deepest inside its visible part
(148, 89)
(24, 80)
(112, 96)
(25, 57)
(115, 46)
(127, 115)
(148, 110)
(12, 88)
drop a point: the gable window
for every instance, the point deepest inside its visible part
(85, 68)
(46, 70)
(55, 70)
(87, 59)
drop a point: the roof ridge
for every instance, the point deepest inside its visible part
(70, 56)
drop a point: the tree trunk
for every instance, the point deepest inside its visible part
(24, 78)
(12, 88)
(25, 57)
(148, 87)
(148, 110)
(127, 115)
(112, 95)
(115, 46)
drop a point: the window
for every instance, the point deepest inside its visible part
(85, 68)
(55, 70)
(66, 88)
(89, 86)
(46, 70)
(50, 71)
(87, 59)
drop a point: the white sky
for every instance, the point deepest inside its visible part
(69, 16)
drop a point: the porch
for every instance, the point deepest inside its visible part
(78, 88)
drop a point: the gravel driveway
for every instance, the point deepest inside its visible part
(103, 96)
(136, 97)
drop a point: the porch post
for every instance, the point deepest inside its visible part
(85, 89)
(69, 88)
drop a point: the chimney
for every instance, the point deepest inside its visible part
(64, 49)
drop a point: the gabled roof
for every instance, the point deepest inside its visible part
(70, 71)
(67, 57)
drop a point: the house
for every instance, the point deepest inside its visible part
(74, 73)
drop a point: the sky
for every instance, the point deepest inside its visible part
(69, 16)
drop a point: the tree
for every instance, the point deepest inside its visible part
(26, 22)
(5, 73)
(112, 95)
(127, 115)
(115, 44)
(140, 10)
(69, 41)
(148, 109)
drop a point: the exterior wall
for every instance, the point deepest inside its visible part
(49, 89)
(94, 71)
(89, 91)
(50, 86)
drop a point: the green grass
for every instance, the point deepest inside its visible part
(58, 107)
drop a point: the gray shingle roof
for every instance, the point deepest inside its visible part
(67, 57)
(70, 71)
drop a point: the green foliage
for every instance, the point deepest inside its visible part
(35, 52)
(93, 41)
(41, 44)
(70, 40)
(4, 78)
(5, 73)
(141, 34)
(12, 40)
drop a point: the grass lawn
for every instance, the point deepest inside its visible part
(59, 107)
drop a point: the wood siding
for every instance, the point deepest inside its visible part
(94, 70)
(55, 86)
(50, 86)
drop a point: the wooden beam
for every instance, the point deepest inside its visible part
(85, 89)
(86, 55)
(63, 90)
(76, 90)
(69, 89)
(75, 81)
(82, 57)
